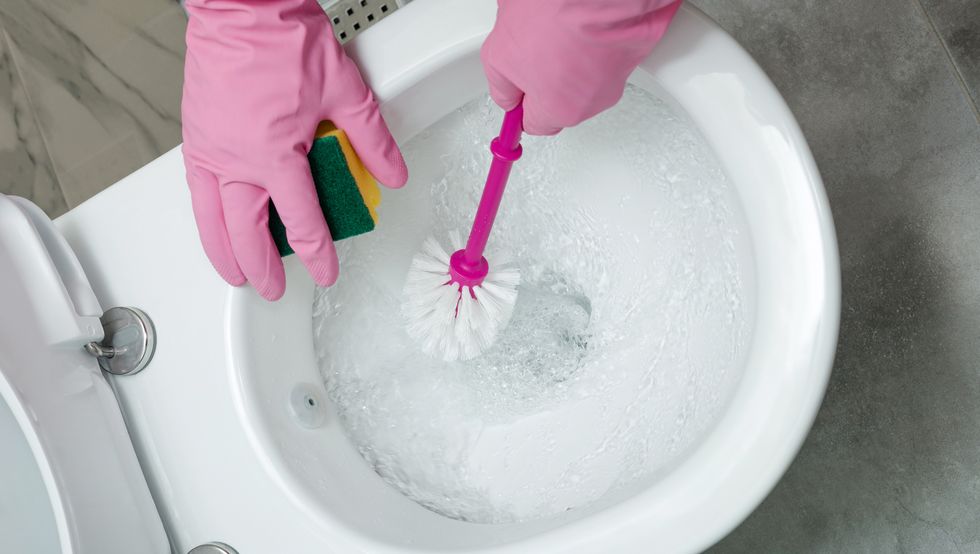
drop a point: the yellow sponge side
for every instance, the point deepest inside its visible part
(370, 191)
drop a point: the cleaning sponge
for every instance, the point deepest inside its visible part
(348, 195)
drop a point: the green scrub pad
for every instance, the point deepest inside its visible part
(348, 194)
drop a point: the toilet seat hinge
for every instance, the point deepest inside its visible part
(128, 344)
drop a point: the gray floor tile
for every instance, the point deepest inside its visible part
(25, 168)
(893, 461)
(104, 79)
(958, 22)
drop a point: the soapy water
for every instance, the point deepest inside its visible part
(626, 341)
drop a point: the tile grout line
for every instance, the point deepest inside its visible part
(30, 104)
(949, 57)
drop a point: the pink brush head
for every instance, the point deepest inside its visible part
(468, 267)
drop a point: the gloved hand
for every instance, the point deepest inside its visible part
(568, 59)
(258, 78)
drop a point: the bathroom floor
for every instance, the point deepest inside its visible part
(887, 93)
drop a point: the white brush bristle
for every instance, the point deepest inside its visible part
(453, 322)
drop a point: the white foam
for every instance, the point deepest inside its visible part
(625, 342)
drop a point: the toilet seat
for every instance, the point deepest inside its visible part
(70, 424)
(209, 418)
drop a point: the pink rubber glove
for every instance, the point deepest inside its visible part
(258, 78)
(569, 59)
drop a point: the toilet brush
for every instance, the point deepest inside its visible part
(455, 305)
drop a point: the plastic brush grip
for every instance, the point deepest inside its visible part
(506, 149)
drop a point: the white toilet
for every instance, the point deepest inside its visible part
(227, 437)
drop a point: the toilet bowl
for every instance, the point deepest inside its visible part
(235, 437)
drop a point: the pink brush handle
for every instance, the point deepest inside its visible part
(506, 149)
